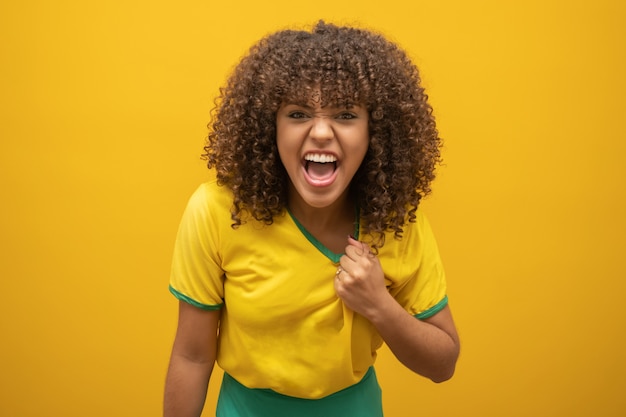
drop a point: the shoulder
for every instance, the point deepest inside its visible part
(417, 240)
(417, 229)
(207, 208)
(211, 195)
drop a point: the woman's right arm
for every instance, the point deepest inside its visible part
(191, 362)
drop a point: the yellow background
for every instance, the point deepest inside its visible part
(102, 118)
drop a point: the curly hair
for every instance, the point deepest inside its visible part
(348, 66)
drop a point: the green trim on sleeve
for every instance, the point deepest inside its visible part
(183, 297)
(433, 310)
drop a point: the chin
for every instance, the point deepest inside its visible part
(321, 202)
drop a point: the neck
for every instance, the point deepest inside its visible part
(333, 217)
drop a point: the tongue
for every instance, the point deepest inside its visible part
(320, 171)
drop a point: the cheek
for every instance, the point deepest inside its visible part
(287, 150)
(289, 138)
(363, 144)
(281, 142)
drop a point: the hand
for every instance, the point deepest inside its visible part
(360, 281)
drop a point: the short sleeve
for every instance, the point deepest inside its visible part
(421, 284)
(196, 276)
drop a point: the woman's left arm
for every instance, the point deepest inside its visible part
(429, 347)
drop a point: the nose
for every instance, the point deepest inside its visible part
(322, 129)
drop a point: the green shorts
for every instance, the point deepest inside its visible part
(363, 399)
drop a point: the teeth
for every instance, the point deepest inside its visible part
(320, 157)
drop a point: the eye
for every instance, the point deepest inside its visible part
(297, 115)
(346, 116)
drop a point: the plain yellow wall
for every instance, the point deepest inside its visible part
(103, 107)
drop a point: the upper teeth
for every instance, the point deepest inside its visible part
(320, 157)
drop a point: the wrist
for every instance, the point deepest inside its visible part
(381, 309)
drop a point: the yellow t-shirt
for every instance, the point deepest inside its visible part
(282, 325)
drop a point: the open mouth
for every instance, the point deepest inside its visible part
(320, 167)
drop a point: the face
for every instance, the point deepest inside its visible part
(321, 149)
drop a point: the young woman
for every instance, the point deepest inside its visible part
(307, 251)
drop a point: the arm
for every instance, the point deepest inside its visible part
(191, 362)
(429, 347)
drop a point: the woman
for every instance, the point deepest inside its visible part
(307, 249)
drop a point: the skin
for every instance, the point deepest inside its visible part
(191, 362)
(428, 347)
(342, 133)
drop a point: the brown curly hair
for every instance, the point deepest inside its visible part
(347, 65)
